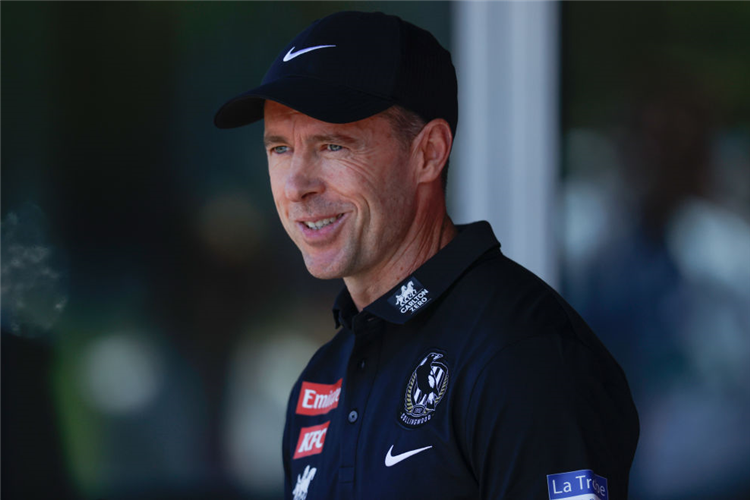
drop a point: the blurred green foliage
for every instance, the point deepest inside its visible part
(606, 46)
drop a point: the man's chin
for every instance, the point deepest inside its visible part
(324, 270)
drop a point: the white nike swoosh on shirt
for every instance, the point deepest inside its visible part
(291, 54)
(391, 460)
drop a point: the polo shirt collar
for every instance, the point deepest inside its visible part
(424, 286)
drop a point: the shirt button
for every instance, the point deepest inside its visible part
(353, 415)
(362, 364)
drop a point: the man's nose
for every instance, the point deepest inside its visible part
(303, 177)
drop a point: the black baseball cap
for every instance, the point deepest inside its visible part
(351, 65)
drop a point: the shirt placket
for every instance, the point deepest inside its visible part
(360, 376)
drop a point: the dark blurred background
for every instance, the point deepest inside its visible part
(155, 316)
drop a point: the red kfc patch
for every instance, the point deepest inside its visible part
(311, 440)
(318, 399)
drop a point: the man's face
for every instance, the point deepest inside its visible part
(344, 192)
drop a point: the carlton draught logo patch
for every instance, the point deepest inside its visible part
(411, 297)
(424, 391)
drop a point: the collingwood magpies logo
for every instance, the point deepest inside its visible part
(427, 386)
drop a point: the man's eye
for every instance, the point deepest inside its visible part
(334, 147)
(279, 149)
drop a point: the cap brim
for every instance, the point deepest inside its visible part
(321, 100)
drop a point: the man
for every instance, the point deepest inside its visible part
(455, 373)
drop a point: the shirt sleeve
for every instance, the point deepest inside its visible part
(542, 407)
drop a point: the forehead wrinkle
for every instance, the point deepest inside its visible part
(289, 125)
(325, 137)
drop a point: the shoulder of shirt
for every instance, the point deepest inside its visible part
(502, 303)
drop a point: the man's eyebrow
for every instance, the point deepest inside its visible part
(324, 138)
(272, 139)
(334, 139)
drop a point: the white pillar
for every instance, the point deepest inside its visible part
(504, 167)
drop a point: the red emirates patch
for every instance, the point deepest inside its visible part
(318, 399)
(311, 440)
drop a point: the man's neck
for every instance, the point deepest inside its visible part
(423, 241)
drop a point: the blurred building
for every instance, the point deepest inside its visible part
(656, 210)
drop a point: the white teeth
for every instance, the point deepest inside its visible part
(322, 222)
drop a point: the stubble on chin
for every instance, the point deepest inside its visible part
(320, 270)
(319, 265)
(339, 264)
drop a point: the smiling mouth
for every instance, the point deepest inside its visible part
(319, 224)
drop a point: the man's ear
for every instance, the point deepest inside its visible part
(432, 149)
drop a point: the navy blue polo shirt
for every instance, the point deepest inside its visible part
(470, 379)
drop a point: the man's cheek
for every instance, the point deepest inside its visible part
(278, 199)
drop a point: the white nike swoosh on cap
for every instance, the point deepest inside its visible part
(391, 460)
(291, 54)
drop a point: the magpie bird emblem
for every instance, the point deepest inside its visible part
(426, 388)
